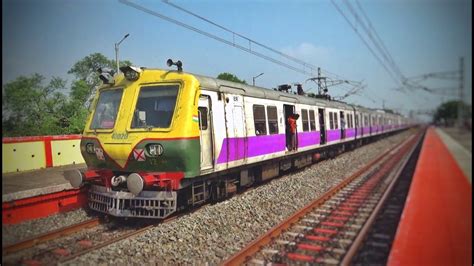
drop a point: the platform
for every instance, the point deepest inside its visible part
(36, 182)
(436, 224)
(460, 151)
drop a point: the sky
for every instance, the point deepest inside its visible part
(422, 36)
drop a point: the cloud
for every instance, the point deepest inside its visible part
(308, 52)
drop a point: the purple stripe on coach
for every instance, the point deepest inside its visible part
(333, 135)
(256, 145)
(366, 130)
(308, 138)
(350, 133)
(262, 145)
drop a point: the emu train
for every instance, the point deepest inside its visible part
(158, 141)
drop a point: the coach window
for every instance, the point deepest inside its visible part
(202, 118)
(304, 118)
(336, 126)
(312, 122)
(259, 120)
(272, 120)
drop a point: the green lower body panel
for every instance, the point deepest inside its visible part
(181, 155)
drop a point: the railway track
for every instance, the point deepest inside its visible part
(331, 229)
(64, 244)
(55, 234)
(378, 241)
(67, 243)
(55, 250)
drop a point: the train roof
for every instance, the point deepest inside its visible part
(219, 85)
(260, 92)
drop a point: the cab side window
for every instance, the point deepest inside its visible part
(202, 118)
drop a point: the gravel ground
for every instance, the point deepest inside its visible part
(215, 232)
(17, 232)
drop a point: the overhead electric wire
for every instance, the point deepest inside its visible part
(210, 35)
(242, 36)
(388, 63)
(412, 83)
(301, 62)
(249, 50)
(365, 42)
(367, 31)
(305, 64)
(440, 75)
(379, 39)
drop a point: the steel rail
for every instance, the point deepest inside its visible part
(106, 243)
(240, 257)
(28, 243)
(359, 240)
(116, 239)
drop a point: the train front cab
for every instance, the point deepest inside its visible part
(138, 159)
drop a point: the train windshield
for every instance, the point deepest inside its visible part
(106, 109)
(155, 106)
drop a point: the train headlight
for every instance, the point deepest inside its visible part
(131, 73)
(154, 150)
(106, 75)
(90, 148)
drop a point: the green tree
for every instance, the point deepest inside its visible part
(230, 77)
(84, 88)
(86, 70)
(32, 108)
(447, 113)
(75, 112)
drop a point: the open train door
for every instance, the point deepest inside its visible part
(322, 126)
(287, 111)
(356, 128)
(205, 134)
(343, 124)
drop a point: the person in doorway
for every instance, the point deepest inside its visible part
(292, 123)
(343, 127)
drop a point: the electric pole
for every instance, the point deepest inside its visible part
(319, 81)
(461, 94)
